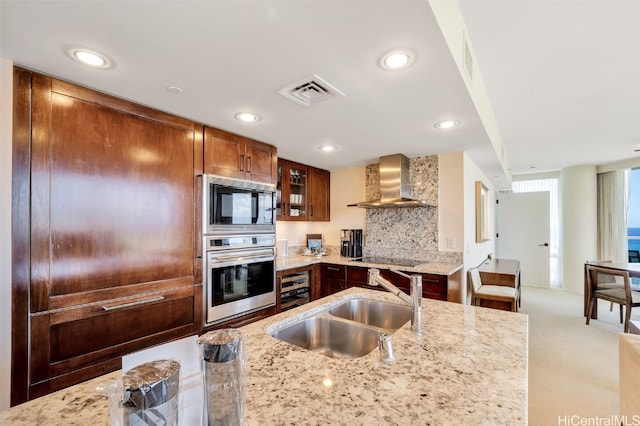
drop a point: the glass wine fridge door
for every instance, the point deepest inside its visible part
(239, 282)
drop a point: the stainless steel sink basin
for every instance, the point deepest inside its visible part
(330, 337)
(390, 316)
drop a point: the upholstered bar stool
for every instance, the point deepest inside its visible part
(499, 293)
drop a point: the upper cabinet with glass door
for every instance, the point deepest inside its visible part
(291, 203)
(302, 192)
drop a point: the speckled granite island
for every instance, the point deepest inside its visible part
(468, 367)
(296, 261)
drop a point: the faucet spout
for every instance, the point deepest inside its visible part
(414, 299)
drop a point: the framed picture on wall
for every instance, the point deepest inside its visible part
(482, 212)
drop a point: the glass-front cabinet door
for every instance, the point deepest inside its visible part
(291, 196)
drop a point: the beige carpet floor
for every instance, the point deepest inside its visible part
(573, 368)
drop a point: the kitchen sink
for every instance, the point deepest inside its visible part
(330, 337)
(389, 316)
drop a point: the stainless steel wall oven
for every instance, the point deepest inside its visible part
(240, 275)
(238, 226)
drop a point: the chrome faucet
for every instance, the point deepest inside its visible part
(414, 299)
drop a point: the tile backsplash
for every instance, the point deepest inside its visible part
(408, 233)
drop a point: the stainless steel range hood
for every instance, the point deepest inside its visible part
(394, 185)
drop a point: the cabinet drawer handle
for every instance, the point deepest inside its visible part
(130, 304)
(249, 164)
(332, 269)
(312, 210)
(242, 162)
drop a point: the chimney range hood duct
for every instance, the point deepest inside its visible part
(394, 185)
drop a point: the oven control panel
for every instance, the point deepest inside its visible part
(227, 242)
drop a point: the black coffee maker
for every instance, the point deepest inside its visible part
(351, 243)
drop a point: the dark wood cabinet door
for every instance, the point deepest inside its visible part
(113, 204)
(244, 319)
(333, 279)
(357, 276)
(435, 286)
(234, 156)
(319, 194)
(261, 160)
(303, 192)
(72, 345)
(224, 153)
(293, 186)
(113, 245)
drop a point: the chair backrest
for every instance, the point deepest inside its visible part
(634, 256)
(602, 278)
(598, 275)
(474, 276)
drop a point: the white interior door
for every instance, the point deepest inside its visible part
(523, 234)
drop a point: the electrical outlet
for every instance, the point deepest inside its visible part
(451, 242)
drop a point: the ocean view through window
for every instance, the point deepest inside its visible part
(633, 216)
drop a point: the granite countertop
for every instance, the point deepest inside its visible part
(296, 261)
(468, 367)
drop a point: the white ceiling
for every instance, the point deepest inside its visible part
(560, 75)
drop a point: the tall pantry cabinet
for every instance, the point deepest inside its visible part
(106, 253)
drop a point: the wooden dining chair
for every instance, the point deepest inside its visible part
(600, 287)
(499, 293)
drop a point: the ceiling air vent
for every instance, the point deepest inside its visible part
(309, 91)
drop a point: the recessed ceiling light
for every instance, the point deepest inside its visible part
(174, 89)
(327, 148)
(248, 117)
(397, 59)
(90, 58)
(446, 124)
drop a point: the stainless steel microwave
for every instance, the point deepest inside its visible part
(233, 205)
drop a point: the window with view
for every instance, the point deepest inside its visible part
(633, 217)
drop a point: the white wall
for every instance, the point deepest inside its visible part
(347, 186)
(578, 230)
(451, 202)
(475, 253)
(6, 96)
(451, 22)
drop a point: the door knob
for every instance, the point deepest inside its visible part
(543, 245)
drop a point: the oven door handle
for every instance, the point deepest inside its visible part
(235, 259)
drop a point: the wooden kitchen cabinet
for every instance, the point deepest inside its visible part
(303, 192)
(334, 278)
(235, 156)
(291, 195)
(75, 342)
(319, 195)
(433, 286)
(243, 320)
(109, 259)
(358, 276)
